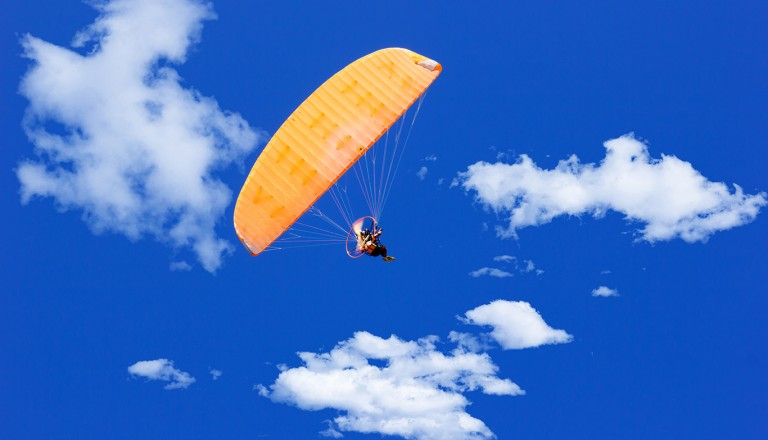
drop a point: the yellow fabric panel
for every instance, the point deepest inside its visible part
(324, 137)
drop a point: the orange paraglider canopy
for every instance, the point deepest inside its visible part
(324, 137)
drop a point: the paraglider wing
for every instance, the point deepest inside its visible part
(324, 137)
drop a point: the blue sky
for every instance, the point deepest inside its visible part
(535, 294)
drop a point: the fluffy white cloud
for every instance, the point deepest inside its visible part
(527, 266)
(331, 431)
(489, 271)
(119, 138)
(469, 341)
(667, 194)
(605, 291)
(516, 325)
(530, 267)
(393, 387)
(162, 369)
(180, 266)
(215, 374)
(505, 258)
(422, 173)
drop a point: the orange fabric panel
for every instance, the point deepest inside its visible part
(324, 137)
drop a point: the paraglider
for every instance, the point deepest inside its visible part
(363, 239)
(373, 246)
(323, 138)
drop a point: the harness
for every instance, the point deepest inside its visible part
(368, 239)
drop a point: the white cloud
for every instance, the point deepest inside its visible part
(162, 369)
(180, 266)
(489, 271)
(422, 173)
(393, 387)
(505, 258)
(516, 325)
(605, 291)
(117, 136)
(431, 158)
(529, 266)
(667, 194)
(215, 374)
(469, 341)
(331, 431)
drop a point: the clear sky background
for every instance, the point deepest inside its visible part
(606, 297)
